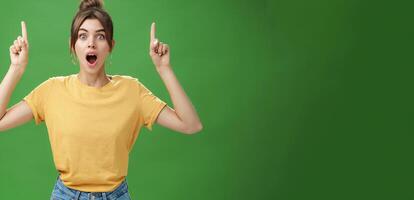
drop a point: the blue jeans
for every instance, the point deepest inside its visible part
(62, 192)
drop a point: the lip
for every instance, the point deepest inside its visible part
(91, 65)
(91, 52)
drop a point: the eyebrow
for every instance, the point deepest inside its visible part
(99, 30)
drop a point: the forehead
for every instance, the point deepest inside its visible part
(91, 25)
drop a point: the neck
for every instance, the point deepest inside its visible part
(94, 80)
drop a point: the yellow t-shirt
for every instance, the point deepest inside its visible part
(92, 130)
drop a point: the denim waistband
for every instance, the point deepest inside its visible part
(119, 191)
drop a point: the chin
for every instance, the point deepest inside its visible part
(92, 70)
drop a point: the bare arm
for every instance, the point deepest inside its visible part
(18, 114)
(183, 118)
(7, 87)
(15, 116)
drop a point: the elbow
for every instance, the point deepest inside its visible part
(193, 128)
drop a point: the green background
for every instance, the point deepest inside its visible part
(299, 99)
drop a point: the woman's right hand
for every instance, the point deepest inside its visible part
(19, 51)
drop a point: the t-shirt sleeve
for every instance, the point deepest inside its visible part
(36, 100)
(149, 105)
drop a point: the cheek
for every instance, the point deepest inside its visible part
(78, 49)
(103, 56)
(78, 54)
(104, 50)
(105, 46)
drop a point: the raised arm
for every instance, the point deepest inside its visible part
(19, 113)
(183, 118)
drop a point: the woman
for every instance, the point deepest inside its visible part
(93, 119)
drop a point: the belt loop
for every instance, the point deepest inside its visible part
(104, 196)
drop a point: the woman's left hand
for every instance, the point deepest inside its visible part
(159, 52)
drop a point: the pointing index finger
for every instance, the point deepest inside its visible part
(152, 31)
(24, 31)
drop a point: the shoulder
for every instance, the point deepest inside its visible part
(125, 79)
(59, 79)
(54, 81)
(48, 82)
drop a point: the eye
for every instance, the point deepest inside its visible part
(101, 36)
(82, 36)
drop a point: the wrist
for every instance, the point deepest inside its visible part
(164, 69)
(15, 69)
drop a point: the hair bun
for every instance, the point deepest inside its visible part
(87, 4)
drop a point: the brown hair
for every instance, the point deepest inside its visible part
(91, 9)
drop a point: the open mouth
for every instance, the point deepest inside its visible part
(91, 58)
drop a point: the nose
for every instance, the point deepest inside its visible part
(91, 44)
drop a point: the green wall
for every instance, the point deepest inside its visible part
(299, 99)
